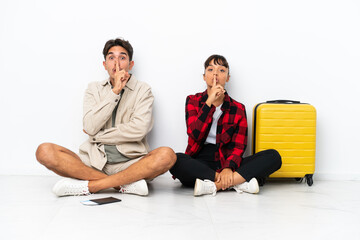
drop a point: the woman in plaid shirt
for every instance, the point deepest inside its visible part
(217, 131)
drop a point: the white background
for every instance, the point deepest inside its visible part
(300, 50)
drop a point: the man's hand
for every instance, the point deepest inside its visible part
(120, 80)
(226, 178)
(216, 92)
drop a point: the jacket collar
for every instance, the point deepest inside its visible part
(226, 104)
(131, 83)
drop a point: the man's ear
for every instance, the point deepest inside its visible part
(131, 65)
(104, 64)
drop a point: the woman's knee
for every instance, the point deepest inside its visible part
(174, 167)
(181, 159)
(275, 157)
(181, 156)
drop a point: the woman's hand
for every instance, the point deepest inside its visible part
(225, 178)
(216, 92)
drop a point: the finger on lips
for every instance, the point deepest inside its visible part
(117, 66)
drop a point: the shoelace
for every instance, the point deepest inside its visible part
(241, 187)
(245, 186)
(209, 188)
(237, 189)
(76, 190)
(129, 188)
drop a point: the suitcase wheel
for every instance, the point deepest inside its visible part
(299, 180)
(309, 179)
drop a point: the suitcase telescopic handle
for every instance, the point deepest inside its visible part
(282, 101)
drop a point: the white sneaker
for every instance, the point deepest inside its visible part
(71, 187)
(204, 187)
(250, 187)
(138, 188)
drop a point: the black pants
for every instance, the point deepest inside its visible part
(204, 166)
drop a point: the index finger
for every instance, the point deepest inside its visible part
(117, 66)
(214, 81)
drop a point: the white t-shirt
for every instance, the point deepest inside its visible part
(211, 138)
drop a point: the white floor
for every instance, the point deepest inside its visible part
(282, 210)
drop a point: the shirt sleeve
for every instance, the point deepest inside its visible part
(198, 119)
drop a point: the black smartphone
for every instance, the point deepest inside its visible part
(100, 201)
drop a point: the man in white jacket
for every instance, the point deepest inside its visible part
(117, 117)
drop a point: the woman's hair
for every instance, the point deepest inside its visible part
(118, 42)
(218, 60)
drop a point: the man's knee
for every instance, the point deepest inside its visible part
(44, 153)
(165, 158)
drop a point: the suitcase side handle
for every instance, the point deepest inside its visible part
(282, 101)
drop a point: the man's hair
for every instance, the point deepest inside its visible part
(118, 42)
(218, 60)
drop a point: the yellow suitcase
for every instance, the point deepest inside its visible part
(290, 128)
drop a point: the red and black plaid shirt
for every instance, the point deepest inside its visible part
(231, 133)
